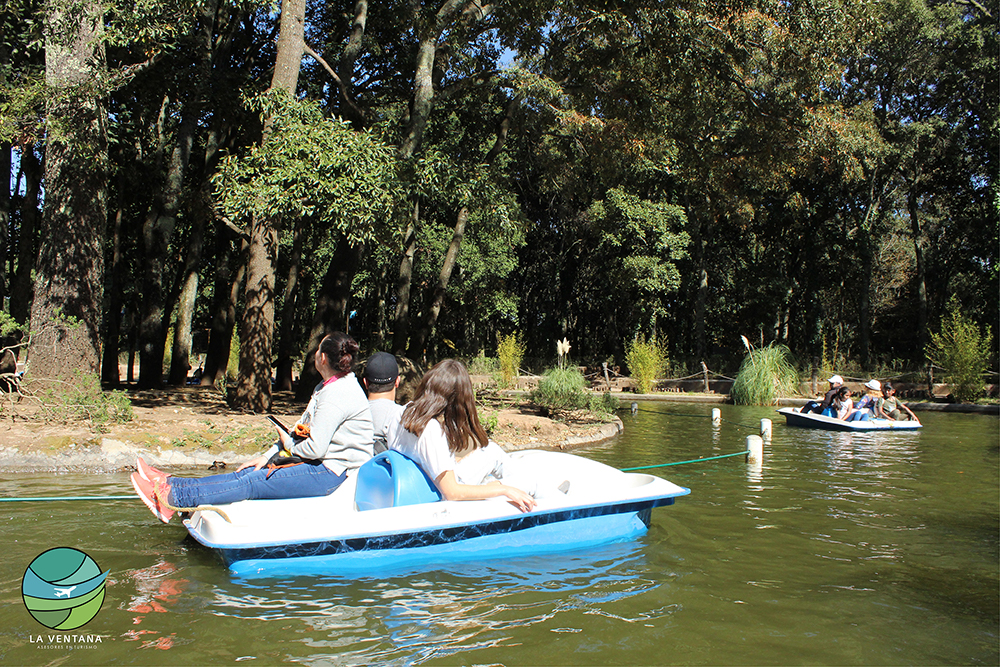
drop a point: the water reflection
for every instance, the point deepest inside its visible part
(157, 591)
(873, 549)
(422, 615)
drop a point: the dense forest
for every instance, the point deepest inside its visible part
(197, 176)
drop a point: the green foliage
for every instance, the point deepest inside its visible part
(646, 361)
(565, 390)
(310, 166)
(561, 389)
(765, 375)
(490, 422)
(483, 365)
(8, 325)
(605, 402)
(640, 243)
(510, 352)
(963, 351)
(82, 399)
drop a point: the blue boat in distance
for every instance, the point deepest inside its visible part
(815, 420)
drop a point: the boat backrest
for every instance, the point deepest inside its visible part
(392, 479)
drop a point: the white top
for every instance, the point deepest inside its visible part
(340, 426)
(477, 466)
(430, 450)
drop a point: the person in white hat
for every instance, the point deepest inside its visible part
(864, 409)
(812, 406)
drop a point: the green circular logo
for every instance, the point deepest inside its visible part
(63, 588)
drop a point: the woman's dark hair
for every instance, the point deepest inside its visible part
(341, 349)
(446, 391)
(842, 392)
(886, 388)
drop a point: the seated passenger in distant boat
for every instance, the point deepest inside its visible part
(823, 407)
(890, 407)
(864, 409)
(842, 405)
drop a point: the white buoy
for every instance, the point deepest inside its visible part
(755, 449)
(765, 429)
(716, 416)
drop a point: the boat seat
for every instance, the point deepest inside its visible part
(392, 479)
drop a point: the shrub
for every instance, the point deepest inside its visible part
(561, 389)
(646, 361)
(962, 351)
(510, 352)
(489, 422)
(766, 374)
(83, 399)
(605, 403)
(483, 365)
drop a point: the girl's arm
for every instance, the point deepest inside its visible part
(451, 489)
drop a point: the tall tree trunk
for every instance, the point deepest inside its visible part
(286, 344)
(70, 267)
(417, 345)
(228, 286)
(866, 231)
(864, 299)
(420, 111)
(110, 375)
(700, 233)
(158, 231)
(921, 266)
(180, 357)
(6, 162)
(348, 59)
(253, 390)
(331, 308)
(441, 289)
(404, 282)
(27, 251)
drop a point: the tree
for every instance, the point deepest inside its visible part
(962, 351)
(66, 311)
(253, 390)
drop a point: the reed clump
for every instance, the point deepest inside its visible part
(765, 375)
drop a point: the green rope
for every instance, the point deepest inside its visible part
(710, 458)
(50, 498)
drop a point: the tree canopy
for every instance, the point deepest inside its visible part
(433, 175)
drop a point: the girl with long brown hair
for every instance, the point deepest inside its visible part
(440, 429)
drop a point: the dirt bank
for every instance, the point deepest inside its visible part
(193, 427)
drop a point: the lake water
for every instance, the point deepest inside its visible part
(842, 549)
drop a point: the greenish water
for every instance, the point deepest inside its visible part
(841, 549)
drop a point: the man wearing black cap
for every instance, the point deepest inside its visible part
(381, 378)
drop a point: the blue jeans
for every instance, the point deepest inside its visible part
(299, 481)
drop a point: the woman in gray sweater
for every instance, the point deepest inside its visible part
(334, 435)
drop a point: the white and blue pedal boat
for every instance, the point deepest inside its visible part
(815, 420)
(389, 515)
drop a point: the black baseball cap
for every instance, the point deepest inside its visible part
(381, 369)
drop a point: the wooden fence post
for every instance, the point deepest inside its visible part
(704, 370)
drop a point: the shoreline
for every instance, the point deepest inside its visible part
(198, 434)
